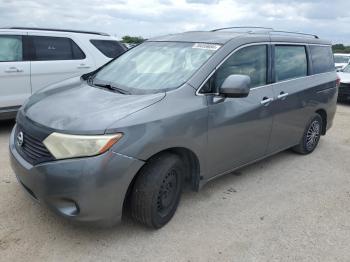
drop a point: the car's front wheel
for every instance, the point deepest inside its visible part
(311, 136)
(157, 190)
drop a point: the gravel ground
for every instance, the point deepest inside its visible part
(285, 208)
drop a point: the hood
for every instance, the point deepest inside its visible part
(76, 107)
(344, 77)
(340, 65)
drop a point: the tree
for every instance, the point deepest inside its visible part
(340, 48)
(132, 39)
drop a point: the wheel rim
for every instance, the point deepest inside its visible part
(167, 193)
(313, 135)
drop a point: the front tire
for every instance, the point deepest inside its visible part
(311, 136)
(157, 190)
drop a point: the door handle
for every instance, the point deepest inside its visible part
(83, 66)
(13, 70)
(266, 101)
(282, 95)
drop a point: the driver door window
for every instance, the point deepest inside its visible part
(251, 61)
(11, 48)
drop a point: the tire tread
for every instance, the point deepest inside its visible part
(146, 184)
(300, 148)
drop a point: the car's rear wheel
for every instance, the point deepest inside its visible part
(157, 190)
(311, 136)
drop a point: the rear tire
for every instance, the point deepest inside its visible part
(157, 190)
(311, 136)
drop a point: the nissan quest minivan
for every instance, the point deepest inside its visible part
(177, 110)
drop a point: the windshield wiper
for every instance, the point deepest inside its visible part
(113, 88)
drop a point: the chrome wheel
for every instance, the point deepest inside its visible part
(313, 135)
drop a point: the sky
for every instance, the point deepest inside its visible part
(149, 18)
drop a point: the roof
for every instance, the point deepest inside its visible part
(55, 30)
(198, 36)
(222, 36)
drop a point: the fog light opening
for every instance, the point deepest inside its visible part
(67, 207)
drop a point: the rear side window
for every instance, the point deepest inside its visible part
(11, 48)
(290, 62)
(109, 48)
(322, 59)
(251, 61)
(55, 48)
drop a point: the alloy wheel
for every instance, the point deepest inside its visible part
(313, 135)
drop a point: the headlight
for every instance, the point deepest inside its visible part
(69, 146)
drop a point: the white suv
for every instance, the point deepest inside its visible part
(32, 58)
(341, 60)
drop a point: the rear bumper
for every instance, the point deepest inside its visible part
(88, 189)
(344, 90)
(8, 112)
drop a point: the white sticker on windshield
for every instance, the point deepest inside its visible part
(212, 47)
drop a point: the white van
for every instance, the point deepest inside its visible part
(32, 58)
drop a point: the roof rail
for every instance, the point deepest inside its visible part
(241, 27)
(267, 29)
(294, 33)
(56, 30)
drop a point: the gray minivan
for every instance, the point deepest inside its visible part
(178, 109)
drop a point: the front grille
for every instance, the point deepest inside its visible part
(32, 149)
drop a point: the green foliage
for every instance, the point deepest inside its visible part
(340, 48)
(132, 39)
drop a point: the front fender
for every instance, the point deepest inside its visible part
(179, 120)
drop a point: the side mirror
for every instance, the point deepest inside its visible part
(235, 86)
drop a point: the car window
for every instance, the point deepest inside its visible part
(341, 59)
(251, 61)
(55, 48)
(109, 48)
(290, 62)
(322, 59)
(11, 48)
(346, 69)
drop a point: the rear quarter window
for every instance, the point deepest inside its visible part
(322, 59)
(109, 48)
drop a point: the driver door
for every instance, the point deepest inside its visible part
(239, 128)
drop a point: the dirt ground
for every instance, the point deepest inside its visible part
(285, 208)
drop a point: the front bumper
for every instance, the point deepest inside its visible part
(90, 189)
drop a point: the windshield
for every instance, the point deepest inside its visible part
(155, 66)
(341, 59)
(346, 69)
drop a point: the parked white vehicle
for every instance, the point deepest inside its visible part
(341, 60)
(344, 87)
(32, 58)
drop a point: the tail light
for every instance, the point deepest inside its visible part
(338, 81)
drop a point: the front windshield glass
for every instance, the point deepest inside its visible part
(347, 69)
(155, 66)
(341, 59)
